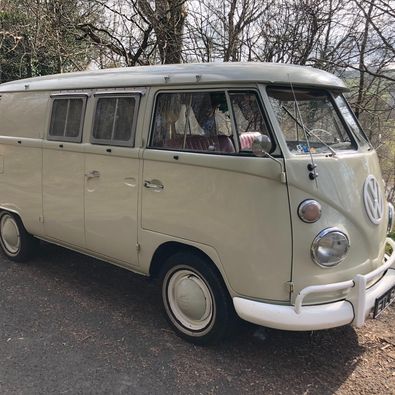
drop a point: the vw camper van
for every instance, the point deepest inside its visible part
(248, 189)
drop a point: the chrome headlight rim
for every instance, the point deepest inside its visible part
(316, 241)
(391, 215)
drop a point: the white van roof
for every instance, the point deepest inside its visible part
(179, 74)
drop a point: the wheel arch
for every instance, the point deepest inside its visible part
(169, 248)
(187, 321)
(12, 211)
(24, 248)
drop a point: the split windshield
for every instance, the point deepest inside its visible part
(310, 122)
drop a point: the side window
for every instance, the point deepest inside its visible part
(249, 119)
(201, 121)
(67, 119)
(114, 121)
(194, 121)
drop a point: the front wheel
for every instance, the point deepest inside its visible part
(195, 300)
(16, 243)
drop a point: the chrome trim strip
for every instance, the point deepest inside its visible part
(120, 92)
(69, 94)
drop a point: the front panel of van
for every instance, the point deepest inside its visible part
(340, 191)
(329, 162)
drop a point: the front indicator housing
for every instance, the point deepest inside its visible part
(309, 211)
(330, 247)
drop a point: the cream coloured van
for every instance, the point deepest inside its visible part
(248, 189)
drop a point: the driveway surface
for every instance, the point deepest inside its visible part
(70, 324)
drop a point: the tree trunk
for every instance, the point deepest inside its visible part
(168, 21)
(361, 88)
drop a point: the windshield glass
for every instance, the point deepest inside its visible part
(350, 119)
(309, 121)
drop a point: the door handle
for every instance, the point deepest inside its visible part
(155, 185)
(92, 174)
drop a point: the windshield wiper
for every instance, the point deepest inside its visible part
(308, 132)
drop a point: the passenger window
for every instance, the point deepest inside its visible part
(67, 119)
(249, 119)
(74, 118)
(200, 121)
(114, 121)
(193, 121)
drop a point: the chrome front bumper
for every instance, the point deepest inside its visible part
(354, 309)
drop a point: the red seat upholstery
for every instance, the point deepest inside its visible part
(193, 142)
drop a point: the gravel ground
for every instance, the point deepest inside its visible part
(70, 324)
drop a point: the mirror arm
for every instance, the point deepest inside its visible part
(283, 176)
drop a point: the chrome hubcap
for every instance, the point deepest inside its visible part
(190, 299)
(10, 234)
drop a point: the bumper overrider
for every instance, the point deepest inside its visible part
(354, 309)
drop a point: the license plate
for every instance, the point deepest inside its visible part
(383, 302)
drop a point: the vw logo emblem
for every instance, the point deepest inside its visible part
(374, 202)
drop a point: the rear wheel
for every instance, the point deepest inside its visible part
(195, 300)
(16, 243)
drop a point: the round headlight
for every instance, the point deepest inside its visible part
(391, 213)
(330, 247)
(309, 211)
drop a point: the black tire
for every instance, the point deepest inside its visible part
(195, 299)
(16, 243)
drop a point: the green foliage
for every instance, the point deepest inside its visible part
(40, 38)
(12, 62)
(388, 249)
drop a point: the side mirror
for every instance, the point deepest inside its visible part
(261, 145)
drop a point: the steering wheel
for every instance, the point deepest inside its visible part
(321, 133)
